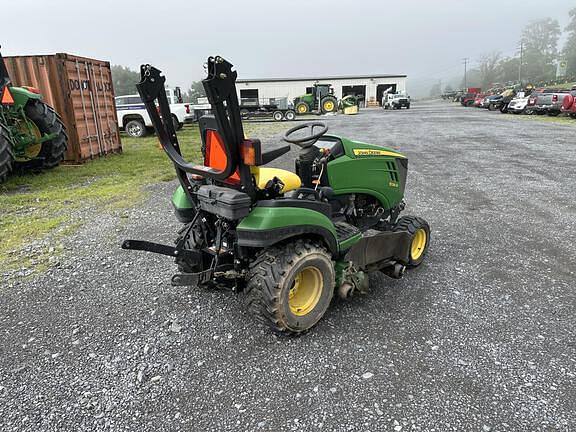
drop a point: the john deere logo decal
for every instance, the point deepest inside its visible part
(373, 152)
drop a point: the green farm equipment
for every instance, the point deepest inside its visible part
(284, 241)
(32, 136)
(349, 104)
(321, 99)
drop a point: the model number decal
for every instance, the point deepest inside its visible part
(372, 152)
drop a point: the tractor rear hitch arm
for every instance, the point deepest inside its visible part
(187, 254)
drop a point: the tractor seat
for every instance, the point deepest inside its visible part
(262, 175)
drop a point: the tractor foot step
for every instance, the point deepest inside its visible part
(185, 279)
(345, 231)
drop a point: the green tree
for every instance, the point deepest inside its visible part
(569, 51)
(489, 68)
(124, 80)
(196, 91)
(540, 41)
(436, 90)
(473, 79)
(508, 69)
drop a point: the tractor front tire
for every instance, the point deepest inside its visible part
(420, 232)
(48, 122)
(6, 154)
(290, 287)
(302, 108)
(329, 105)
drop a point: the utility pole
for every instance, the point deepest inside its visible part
(465, 60)
(521, 61)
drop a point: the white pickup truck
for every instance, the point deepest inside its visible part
(135, 121)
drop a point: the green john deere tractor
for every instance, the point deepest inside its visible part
(284, 241)
(32, 136)
(321, 100)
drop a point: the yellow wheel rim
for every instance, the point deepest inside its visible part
(418, 244)
(306, 291)
(302, 109)
(30, 152)
(328, 105)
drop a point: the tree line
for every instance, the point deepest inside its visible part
(125, 80)
(535, 62)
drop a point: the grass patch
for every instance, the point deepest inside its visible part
(34, 205)
(548, 119)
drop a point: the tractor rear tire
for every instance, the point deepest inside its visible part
(420, 232)
(49, 122)
(188, 238)
(6, 154)
(329, 105)
(290, 287)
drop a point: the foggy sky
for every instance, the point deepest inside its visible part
(425, 39)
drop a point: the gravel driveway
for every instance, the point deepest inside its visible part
(482, 337)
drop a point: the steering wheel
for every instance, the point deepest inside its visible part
(308, 140)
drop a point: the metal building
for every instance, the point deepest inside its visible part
(370, 87)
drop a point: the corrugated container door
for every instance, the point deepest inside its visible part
(92, 99)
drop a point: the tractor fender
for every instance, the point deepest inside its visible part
(266, 226)
(22, 96)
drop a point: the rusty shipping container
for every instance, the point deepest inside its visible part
(81, 91)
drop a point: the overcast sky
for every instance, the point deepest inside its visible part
(425, 39)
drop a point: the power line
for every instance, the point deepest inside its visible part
(465, 60)
(521, 60)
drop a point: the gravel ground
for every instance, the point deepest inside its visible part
(479, 338)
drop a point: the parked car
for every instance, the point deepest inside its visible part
(469, 97)
(550, 102)
(502, 103)
(492, 102)
(395, 101)
(517, 105)
(569, 103)
(135, 121)
(479, 99)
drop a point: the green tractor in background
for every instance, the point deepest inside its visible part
(32, 135)
(321, 100)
